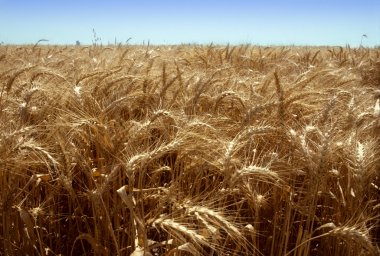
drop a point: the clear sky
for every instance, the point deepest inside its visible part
(265, 22)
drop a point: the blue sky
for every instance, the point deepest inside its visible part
(265, 22)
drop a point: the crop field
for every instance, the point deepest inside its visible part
(189, 150)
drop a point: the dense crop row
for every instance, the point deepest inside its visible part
(189, 150)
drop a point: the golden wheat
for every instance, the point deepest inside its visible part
(189, 150)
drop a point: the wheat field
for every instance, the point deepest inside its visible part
(189, 150)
